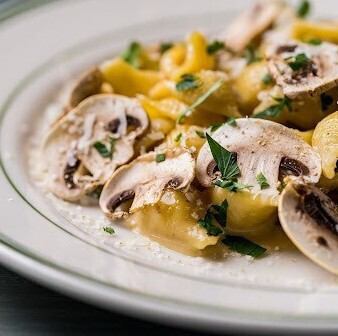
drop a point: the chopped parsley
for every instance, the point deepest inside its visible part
(200, 134)
(243, 246)
(215, 127)
(267, 79)
(314, 41)
(132, 54)
(104, 150)
(227, 164)
(274, 110)
(325, 101)
(263, 182)
(160, 158)
(165, 46)
(298, 62)
(232, 121)
(109, 230)
(214, 220)
(178, 137)
(215, 46)
(187, 82)
(251, 55)
(304, 9)
(201, 99)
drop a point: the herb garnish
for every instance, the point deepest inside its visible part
(103, 150)
(303, 9)
(109, 230)
(215, 127)
(201, 99)
(298, 62)
(132, 54)
(274, 110)
(251, 55)
(263, 182)
(232, 121)
(227, 164)
(314, 41)
(215, 46)
(214, 222)
(267, 79)
(200, 134)
(160, 158)
(187, 82)
(214, 213)
(243, 246)
(178, 137)
(165, 46)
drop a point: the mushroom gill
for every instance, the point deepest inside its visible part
(144, 180)
(84, 148)
(310, 220)
(261, 147)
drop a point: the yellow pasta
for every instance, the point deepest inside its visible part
(307, 31)
(253, 79)
(127, 80)
(189, 58)
(325, 141)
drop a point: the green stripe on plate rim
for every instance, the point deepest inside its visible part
(10, 244)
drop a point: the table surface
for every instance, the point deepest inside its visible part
(29, 309)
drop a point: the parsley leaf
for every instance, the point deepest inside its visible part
(303, 9)
(200, 134)
(263, 182)
(165, 46)
(227, 164)
(109, 230)
(274, 110)
(267, 79)
(215, 127)
(132, 54)
(160, 158)
(243, 246)
(215, 46)
(200, 100)
(251, 55)
(187, 82)
(298, 62)
(103, 150)
(225, 160)
(314, 41)
(214, 213)
(178, 137)
(232, 121)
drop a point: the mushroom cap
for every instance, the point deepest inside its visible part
(261, 146)
(318, 75)
(144, 181)
(310, 220)
(73, 164)
(251, 23)
(87, 84)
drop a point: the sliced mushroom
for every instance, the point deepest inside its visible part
(85, 147)
(315, 74)
(261, 146)
(251, 23)
(144, 181)
(86, 85)
(310, 219)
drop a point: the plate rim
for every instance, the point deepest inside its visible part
(47, 273)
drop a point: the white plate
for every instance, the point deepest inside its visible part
(48, 240)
